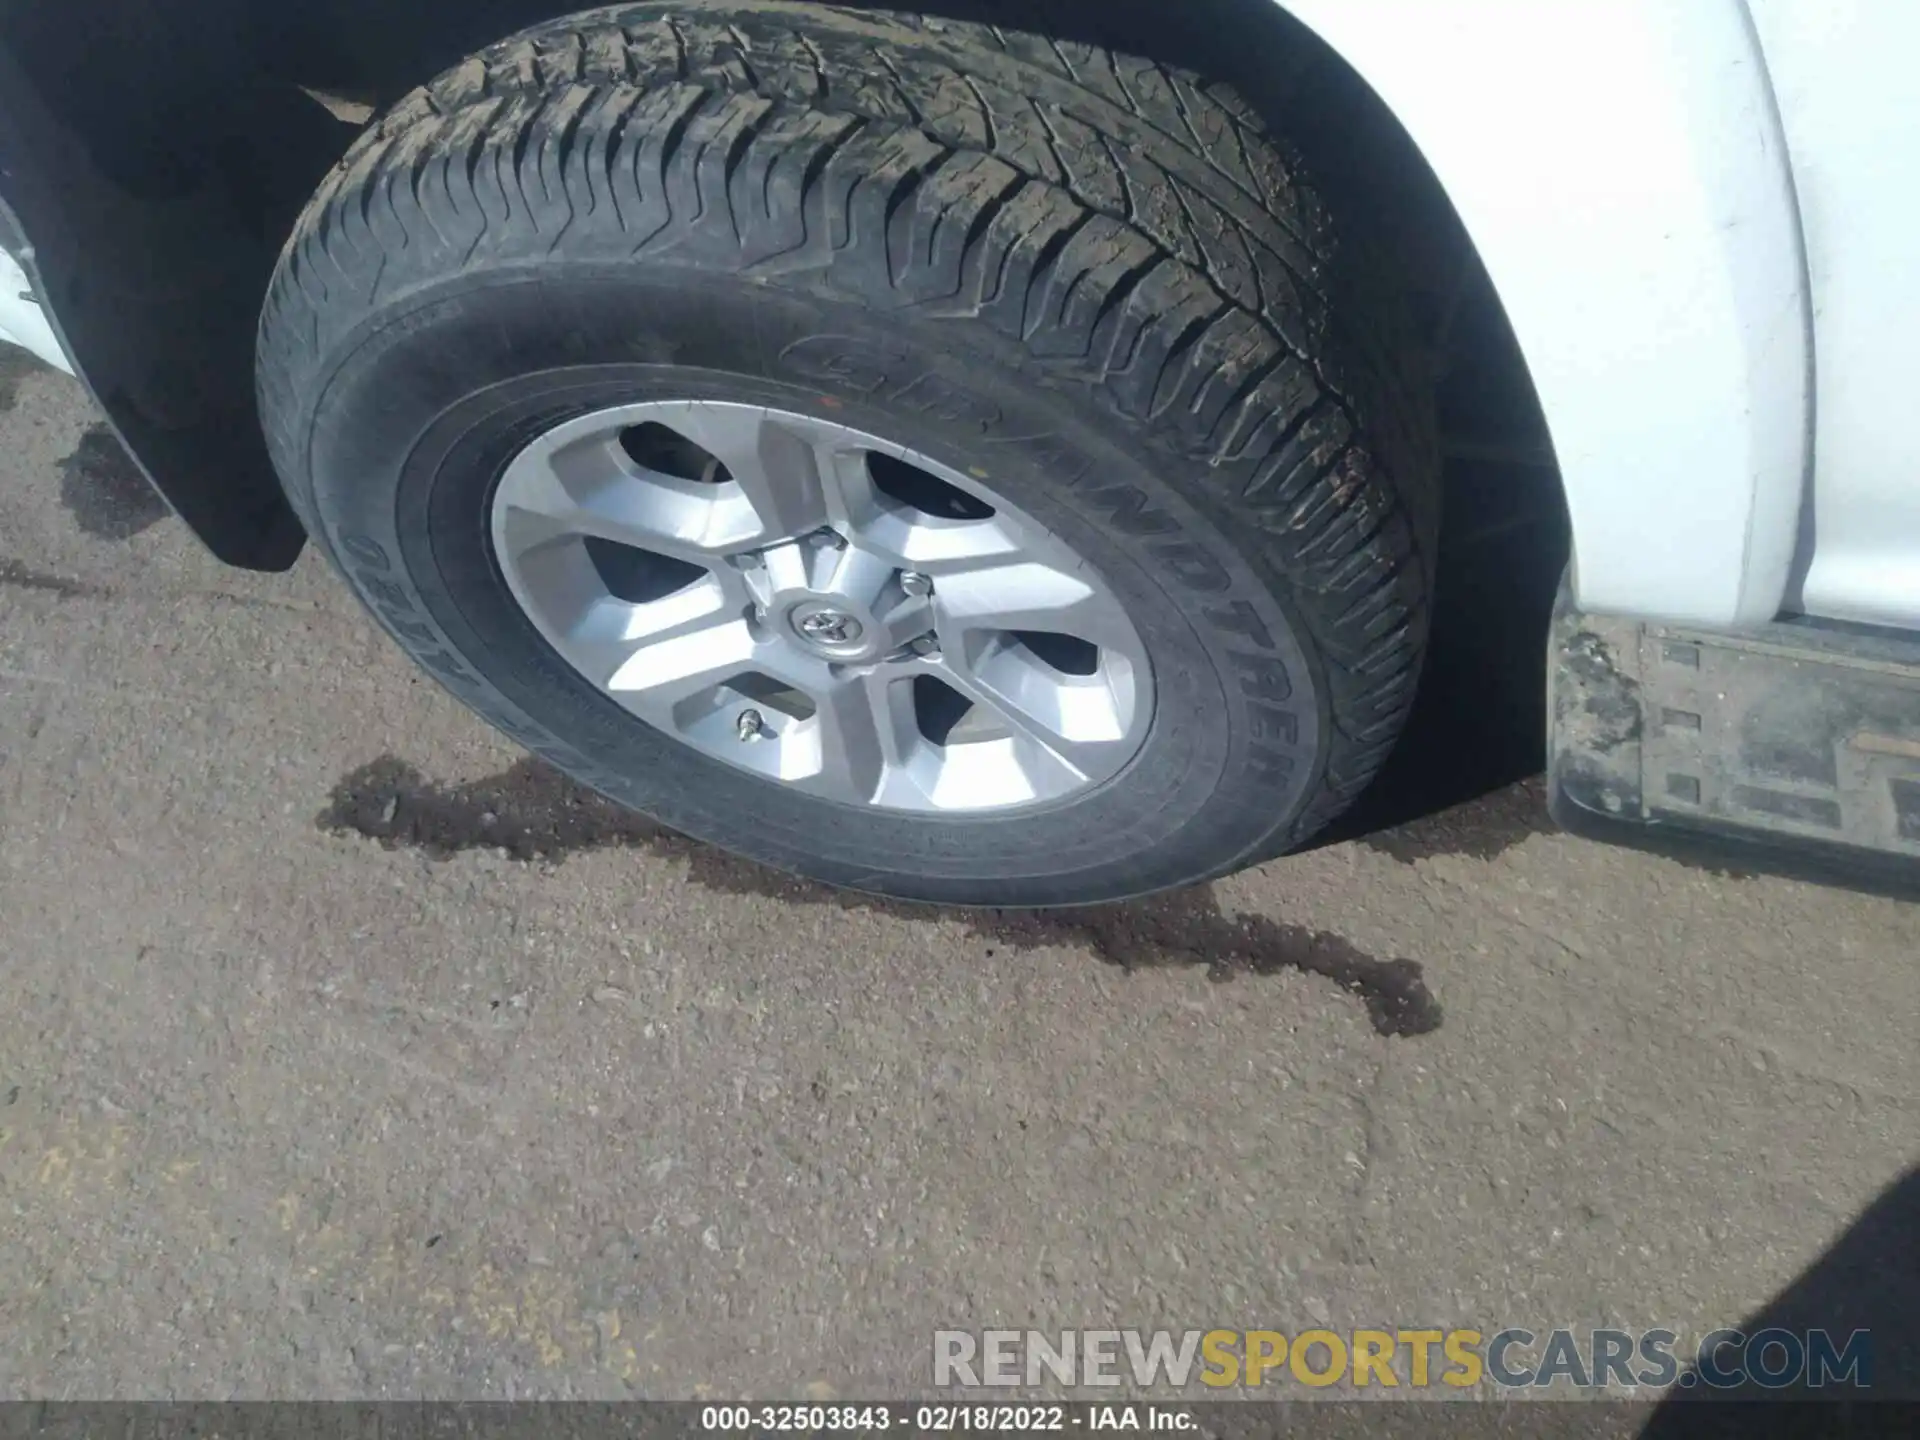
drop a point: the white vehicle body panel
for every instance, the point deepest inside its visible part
(1620, 166)
(22, 322)
(1843, 72)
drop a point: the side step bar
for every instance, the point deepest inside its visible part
(1790, 749)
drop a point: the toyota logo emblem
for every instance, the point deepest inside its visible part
(829, 627)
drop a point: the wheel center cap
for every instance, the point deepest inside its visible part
(828, 627)
(832, 628)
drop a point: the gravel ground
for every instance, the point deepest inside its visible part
(348, 1052)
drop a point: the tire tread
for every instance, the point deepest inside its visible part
(1135, 227)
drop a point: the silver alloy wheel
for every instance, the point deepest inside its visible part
(815, 605)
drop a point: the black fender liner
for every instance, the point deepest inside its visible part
(143, 281)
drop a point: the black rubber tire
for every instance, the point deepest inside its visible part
(1096, 278)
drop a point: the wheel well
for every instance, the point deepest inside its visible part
(166, 148)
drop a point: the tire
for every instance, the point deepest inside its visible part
(1092, 277)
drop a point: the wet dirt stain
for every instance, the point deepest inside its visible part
(23, 577)
(532, 812)
(1482, 829)
(104, 490)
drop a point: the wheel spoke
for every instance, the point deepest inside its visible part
(927, 543)
(864, 725)
(662, 671)
(608, 634)
(847, 489)
(589, 488)
(1026, 595)
(688, 660)
(776, 474)
(1072, 721)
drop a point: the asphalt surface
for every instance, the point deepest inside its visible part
(347, 1052)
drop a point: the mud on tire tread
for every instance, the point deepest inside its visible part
(1134, 227)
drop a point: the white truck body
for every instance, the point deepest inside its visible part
(1697, 219)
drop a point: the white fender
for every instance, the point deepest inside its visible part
(1621, 168)
(22, 322)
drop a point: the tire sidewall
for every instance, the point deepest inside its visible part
(422, 405)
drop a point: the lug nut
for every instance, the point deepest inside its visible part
(750, 726)
(749, 561)
(925, 645)
(916, 584)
